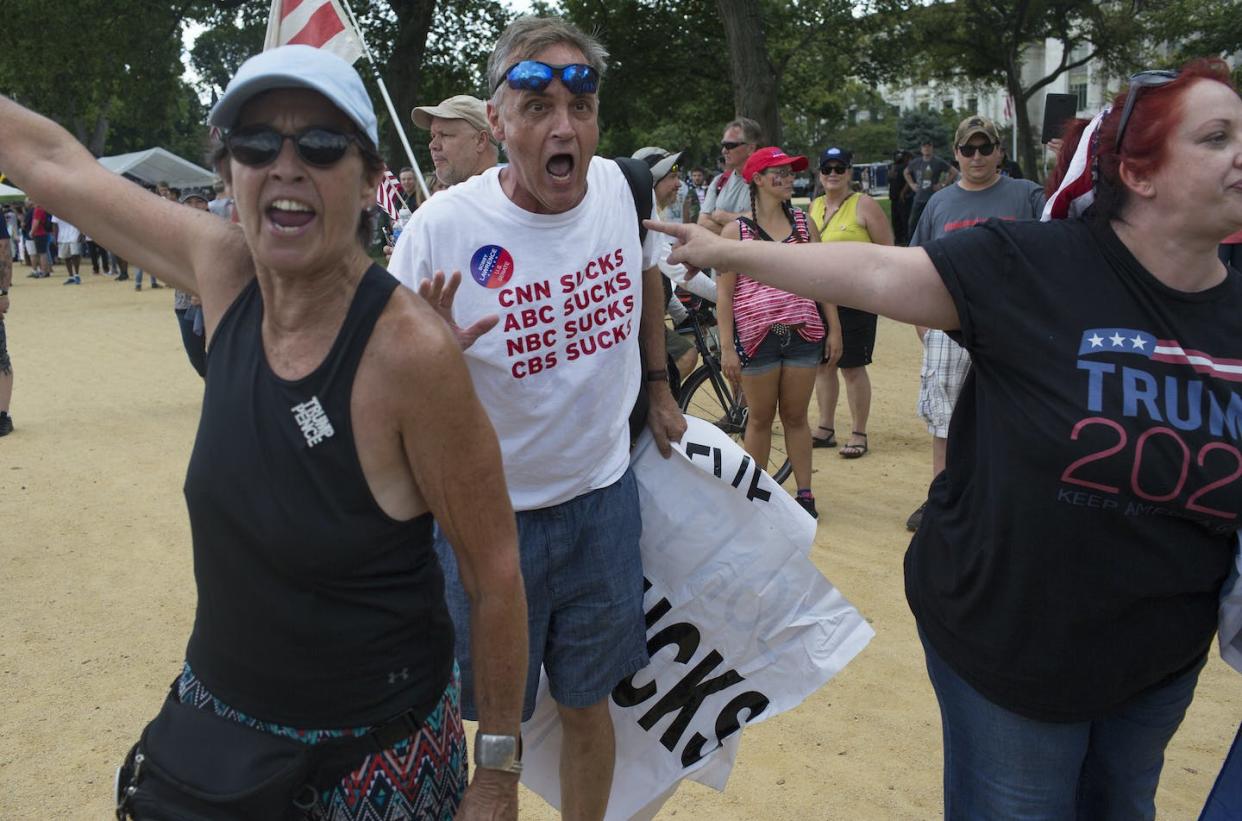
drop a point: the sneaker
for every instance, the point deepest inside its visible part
(916, 518)
(6, 424)
(72, 281)
(155, 285)
(122, 277)
(138, 287)
(32, 275)
(807, 500)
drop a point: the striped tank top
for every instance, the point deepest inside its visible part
(757, 307)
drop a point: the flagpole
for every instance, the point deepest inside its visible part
(392, 110)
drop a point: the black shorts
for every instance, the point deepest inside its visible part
(40, 244)
(857, 337)
(6, 367)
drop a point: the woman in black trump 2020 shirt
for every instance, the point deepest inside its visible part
(1066, 577)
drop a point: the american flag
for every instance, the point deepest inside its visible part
(318, 23)
(388, 195)
(1147, 345)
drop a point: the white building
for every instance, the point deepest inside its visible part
(1090, 83)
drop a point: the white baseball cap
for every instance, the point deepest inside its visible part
(659, 160)
(298, 67)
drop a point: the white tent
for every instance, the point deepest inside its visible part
(9, 193)
(157, 165)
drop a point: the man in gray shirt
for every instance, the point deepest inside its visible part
(981, 193)
(728, 195)
(926, 174)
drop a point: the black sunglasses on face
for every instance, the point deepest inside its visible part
(1144, 79)
(729, 146)
(258, 146)
(833, 169)
(969, 150)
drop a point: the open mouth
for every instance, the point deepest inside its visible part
(289, 216)
(560, 166)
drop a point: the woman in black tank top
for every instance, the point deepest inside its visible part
(334, 403)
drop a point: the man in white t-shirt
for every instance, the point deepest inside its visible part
(69, 240)
(557, 291)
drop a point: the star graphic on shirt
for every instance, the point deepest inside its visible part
(1139, 342)
(1096, 340)
(1117, 339)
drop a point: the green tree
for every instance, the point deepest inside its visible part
(667, 79)
(987, 40)
(917, 127)
(425, 50)
(670, 82)
(870, 141)
(125, 68)
(1197, 28)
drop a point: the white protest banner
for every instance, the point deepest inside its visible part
(741, 625)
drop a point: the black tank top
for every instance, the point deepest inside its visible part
(315, 608)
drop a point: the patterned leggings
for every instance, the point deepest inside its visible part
(420, 777)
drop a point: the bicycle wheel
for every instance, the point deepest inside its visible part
(709, 399)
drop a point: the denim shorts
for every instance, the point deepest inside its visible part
(790, 351)
(584, 597)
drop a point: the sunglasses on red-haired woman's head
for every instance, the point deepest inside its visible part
(1144, 79)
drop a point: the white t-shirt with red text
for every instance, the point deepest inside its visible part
(559, 375)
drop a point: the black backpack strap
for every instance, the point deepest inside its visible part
(638, 175)
(756, 229)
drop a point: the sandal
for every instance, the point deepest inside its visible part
(857, 451)
(829, 441)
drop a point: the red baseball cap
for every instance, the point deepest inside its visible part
(770, 157)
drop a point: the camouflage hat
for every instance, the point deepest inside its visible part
(975, 124)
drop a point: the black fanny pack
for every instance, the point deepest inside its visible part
(192, 765)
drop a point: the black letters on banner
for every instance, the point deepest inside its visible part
(694, 449)
(687, 696)
(727, 723)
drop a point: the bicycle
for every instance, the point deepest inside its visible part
(707, 394)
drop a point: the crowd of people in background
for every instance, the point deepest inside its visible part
(1041, 700)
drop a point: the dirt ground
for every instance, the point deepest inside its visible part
(98, 598)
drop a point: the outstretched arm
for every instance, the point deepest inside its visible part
(900, 283)
(57, 172)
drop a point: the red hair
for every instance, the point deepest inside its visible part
(1157, 113)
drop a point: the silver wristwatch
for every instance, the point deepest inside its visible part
(497, 752)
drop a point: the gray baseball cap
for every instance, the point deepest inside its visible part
(298, 67)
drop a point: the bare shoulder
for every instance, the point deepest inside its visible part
(868, 205)
(412, 343)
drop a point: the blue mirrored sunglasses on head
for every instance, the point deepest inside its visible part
(532, 75)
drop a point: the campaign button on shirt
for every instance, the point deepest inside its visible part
(491, 266)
